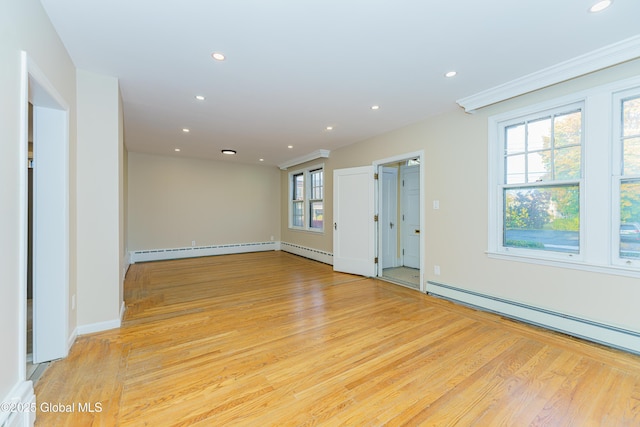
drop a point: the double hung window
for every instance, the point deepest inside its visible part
(565, 181)
(306, 209)
(297, 203)
(542, 159)
(627, 182)
(316, 196)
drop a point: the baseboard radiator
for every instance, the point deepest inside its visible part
(200, 251)
(314, 254)
(608, 335)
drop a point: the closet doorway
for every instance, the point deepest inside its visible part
(400, 220)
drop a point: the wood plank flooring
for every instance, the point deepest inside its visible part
(272, 339)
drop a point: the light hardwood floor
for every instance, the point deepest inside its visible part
(272, 339)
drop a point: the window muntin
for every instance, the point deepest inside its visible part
(541, 182)
(631, 136)
(307, 199)
(544, 149)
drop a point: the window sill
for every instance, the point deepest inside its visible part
(308, 230)
(617, 270)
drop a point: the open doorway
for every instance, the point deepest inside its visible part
(32, 368)
(44, 254)
(399, 221)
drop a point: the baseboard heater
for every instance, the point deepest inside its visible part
(314, 254)
(608, 335)
(200, 251)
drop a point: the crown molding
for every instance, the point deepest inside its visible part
(613, 54)
(298, 160)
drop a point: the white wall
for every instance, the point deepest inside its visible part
(24, 26)
(100, 203)
(174, 200)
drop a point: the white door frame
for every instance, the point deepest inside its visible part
(377, 166)
(51, 215)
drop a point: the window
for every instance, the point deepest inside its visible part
(541, 182)
(628, 180)
(297, 212)
(316, 211)
(564, 185)
(307, 199)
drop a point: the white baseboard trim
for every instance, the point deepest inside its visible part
(608, 335)
(310, 253)
(23, 399)
(99, 326)
(199, 251)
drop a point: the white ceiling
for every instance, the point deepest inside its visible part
(294, 67)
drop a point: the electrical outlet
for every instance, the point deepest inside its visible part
(193, 243)
(436, 204)
(436, 270)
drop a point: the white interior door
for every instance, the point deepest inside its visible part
(388, 224)
(411, 216)
(51, 230)
(353, 225)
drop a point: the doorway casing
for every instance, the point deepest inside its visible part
(51, 217)
(378, 200)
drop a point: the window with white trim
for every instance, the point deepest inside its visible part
(542, 160)
(565, 181)
(306, 191)
(627, 173)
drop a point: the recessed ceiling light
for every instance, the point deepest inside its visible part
(228, 151)
(600, 6)
(218, 56)
(451, 74)
(177, 150)
(375, 107)
(329, 128)
(290, 146)
(262, 160)
(185, 130)
(200, 97)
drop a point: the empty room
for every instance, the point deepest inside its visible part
(320, 213)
